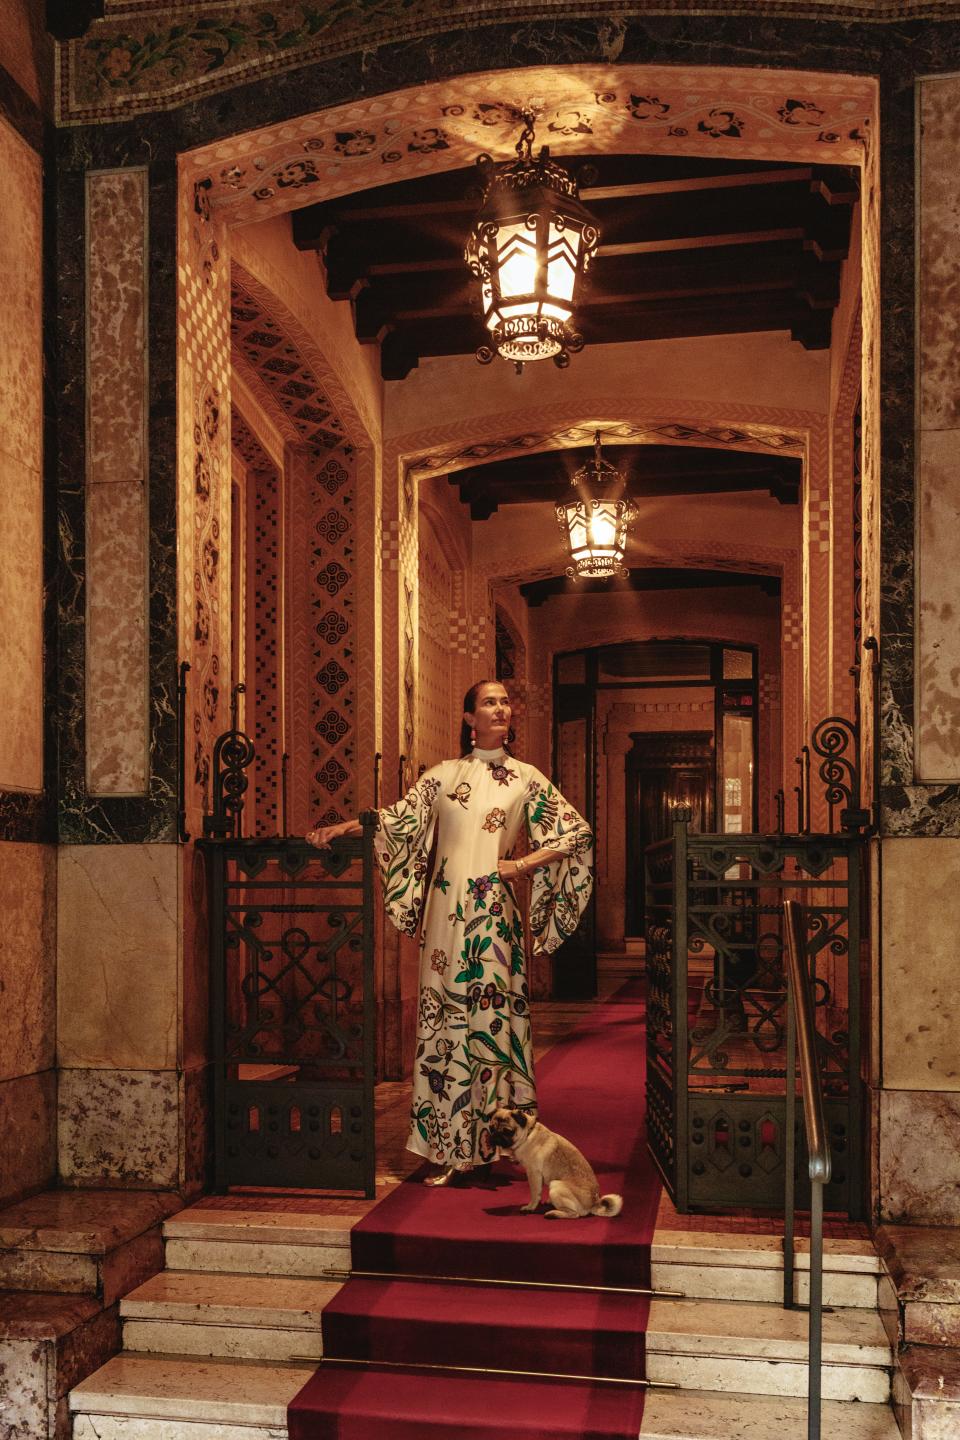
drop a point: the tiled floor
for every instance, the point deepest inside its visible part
(756, 1222)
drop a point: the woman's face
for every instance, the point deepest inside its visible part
(491, 716)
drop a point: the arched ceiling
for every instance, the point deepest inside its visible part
(281, 371)
(718, 113)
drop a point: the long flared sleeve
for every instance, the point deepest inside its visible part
(560, 891)
(402, 850)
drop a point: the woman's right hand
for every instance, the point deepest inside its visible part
(323, 836)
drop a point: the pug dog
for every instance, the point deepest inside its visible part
(551, 1160)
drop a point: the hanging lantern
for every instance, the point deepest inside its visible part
(595, 520)
(530, 248)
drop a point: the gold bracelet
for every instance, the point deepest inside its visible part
(520, 864)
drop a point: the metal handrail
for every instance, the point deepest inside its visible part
(801, 1035)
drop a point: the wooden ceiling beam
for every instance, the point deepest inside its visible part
(751, 314)
(620, 280)
(536, 592)
(653, 471)
(833, 183)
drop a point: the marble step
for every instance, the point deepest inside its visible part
(47, 1344)
(710, 1266)
(762, 1349)
(704, 1415)
(926, 1392)
(920, 1287)
(137, 1397)
(148, 1397)
(240, 1317)
(83, 1242)
(257, 1242)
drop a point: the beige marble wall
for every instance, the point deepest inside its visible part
(117, 729)
(27, 959)
(27, 985)
(920, 1005)
(28, 1147)
(119, 1128)
(21, 454)
(26, 50)
(919, 1157)
(938, 480)
(918, 1122)
(117, 956)
(122, 1101)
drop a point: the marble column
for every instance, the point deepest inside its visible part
(918, 1139)
(27, 870)
(917, 1105)
(117, 677)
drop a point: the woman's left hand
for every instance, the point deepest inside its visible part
(512, 870)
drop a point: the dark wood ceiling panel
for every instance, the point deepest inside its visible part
(688, 247)
(650, 472)
(536, 592)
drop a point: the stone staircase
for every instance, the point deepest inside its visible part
(66, 1257)
(217, 1344)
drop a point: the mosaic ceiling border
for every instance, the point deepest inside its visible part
(717, 112)
(145, 57)
(764, 562)
(762, 438)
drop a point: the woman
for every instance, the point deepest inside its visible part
(474, 1050)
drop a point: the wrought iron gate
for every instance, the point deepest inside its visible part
(716, 1019)
(292, 992)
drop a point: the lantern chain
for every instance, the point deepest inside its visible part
(524, 146)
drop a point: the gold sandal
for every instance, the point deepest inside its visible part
(443, 1178)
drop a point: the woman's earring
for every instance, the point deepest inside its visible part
(473, 737)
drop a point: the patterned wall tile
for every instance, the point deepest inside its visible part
(203, 368)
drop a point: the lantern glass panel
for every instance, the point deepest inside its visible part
(603, 525)
(517, 261)
(562, 253)
(577, 526)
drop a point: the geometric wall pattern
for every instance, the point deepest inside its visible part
(260, 339)
(436, 734)
(203, 373)
(263, 541)
(322, 659)
(304, 547)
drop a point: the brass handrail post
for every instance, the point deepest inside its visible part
(800, 1008)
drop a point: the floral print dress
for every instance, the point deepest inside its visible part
(474, 1050)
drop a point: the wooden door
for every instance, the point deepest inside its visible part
(663, 770)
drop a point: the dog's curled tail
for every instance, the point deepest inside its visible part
(608, 1205)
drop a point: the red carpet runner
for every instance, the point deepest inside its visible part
(591, 1089)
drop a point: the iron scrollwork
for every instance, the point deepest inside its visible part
(233, 754)
(292, 1011)
(716, 1016)
(837, 741)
